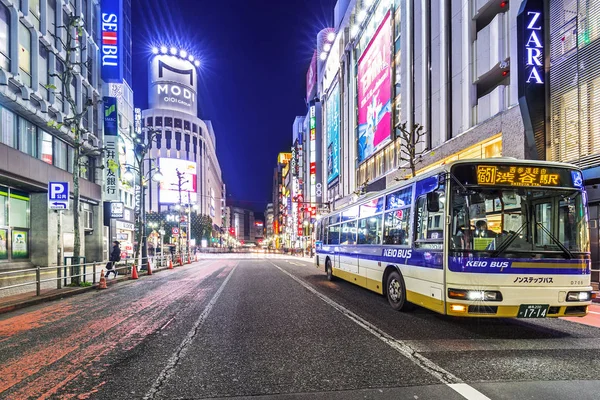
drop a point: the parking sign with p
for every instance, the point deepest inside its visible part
(58, 195)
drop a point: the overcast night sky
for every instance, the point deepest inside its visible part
(254, 55)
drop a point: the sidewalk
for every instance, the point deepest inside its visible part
(26, 299)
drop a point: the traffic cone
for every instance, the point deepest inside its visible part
(170, 263)
(196, 257)
(179, 261)
(134, 274)
(149, 268)
(102, 283)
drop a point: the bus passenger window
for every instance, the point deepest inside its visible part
(369, 230)
(333, 236)
(348, 235)
(396, 227)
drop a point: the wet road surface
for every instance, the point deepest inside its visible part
(266, 328)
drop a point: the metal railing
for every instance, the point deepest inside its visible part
(74, 275)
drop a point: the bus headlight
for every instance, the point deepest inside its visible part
(579, 296)
(475, 295)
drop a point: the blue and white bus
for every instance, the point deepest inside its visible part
(482, 238)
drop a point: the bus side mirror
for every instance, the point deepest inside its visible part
(433, 202)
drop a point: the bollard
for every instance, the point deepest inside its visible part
(38, 284)
(84, 273)
(94, 274)
(58, 278)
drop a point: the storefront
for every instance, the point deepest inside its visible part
(125, 233)
(14, 225)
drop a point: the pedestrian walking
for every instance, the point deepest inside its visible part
(115, 256)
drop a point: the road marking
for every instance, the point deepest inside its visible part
(594, 312)
(468, 392)
(432, 368)
(183, 347)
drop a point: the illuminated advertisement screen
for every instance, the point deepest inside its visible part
(374, 92)
(169, 187)
(333, 134)
(517, 175)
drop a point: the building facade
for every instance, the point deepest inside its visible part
(184, 145)
(32, 153)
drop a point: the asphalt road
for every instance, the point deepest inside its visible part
(266, 328)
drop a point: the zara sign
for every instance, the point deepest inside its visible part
(531, 78)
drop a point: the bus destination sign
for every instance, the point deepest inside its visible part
(517, 175)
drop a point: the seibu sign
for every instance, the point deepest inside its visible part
(172, 84)
(111, 49)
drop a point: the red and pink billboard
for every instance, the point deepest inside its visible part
(374, 92)
(311, 76)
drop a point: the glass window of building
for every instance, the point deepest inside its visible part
(70, 156)
(19, 209)
(8, 127)
(158, 121)
(59, 86)
(3, 208)
(4, 37)
(178, 141)
(27, 137)
(178, 123)
(45, 146)
(25, 54)
(84, 14)
(60, 154)
(186, 125)
(43, 66)
(149, 121)
(51, 10)
(34, 10)
(194, 128)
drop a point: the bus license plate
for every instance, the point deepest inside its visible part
(533, 311)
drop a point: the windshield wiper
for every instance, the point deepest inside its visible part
(506, 243)
(555, 240)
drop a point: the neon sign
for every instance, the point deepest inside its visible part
(534, 47)
(112, 70)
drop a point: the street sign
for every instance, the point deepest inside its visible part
(58, 195)
(175, 231)
(117, 209)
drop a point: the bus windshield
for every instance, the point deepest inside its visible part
(507, 222)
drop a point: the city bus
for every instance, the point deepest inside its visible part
(475, 238)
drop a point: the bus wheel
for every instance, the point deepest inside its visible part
(329, 270)
(396, 292)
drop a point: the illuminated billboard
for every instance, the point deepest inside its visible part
(311, 76)
(332, 118)
(169, 187)
(111, 49)
(173, 84)
(374, 92)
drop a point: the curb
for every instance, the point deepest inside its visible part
(67, 293)
(42, 299)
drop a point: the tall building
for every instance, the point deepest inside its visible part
(280, 198)
(32, 154)
(243, 225)
(482, 78)
(269, 218)
(184, 144)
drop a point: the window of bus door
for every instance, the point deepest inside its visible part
(348, 234)
(333, 234)
(429, 226)
(369, 230)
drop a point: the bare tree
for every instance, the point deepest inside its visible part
(411, 150)
(68, 55)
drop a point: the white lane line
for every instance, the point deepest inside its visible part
(432, 368)
(594, 312)
(468, 392)
(169, 369)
